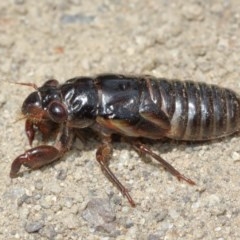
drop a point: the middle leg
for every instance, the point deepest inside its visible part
(103, 155)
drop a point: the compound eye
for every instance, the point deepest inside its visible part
(33, 101)
(57, 112)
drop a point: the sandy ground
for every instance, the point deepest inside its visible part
(72, 199)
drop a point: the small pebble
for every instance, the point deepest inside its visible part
(23, 213)
(77, 18)
(68, 202)
(217, 8)
(173, 213)
(193, 12)
(100, 215)
(19, 2)
(153, 237)
(54, 187)
(32, 227)
(48, 232)
(38, 184)
(48, 201)
(124, 156)
(71, 221)
(61, 174)
(212, 200)
(129, 223)
(159, 217)
(235, 156)
(23, 199)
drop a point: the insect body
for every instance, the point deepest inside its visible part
(130, 106)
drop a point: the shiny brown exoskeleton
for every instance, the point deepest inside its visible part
(130, 106)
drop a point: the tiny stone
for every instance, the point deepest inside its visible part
(218, 211)
(21, 9)
(47, 202)
(68, 202)
(75, 2)
(193, 12)
(14, 193)
(19, 2)
(77, 18)
(37, 196)
(99, 214)
(196, 205)
(223, 44)
(48, 232)
(217, 8)
(77, 175)
(54, 187)
(204, 66)
(85, 64)
(32, 227)
(61, 174)
(5, 42)
(142, 221)
(129, 224)
(37, 208)
(235, 156)
(173, 213)
(217, 229)
(199, 50)
(199, 234)
(213, 200)
(117, 200)
(39, 184)
(2, 101)
(161, 215)
(23, 213)
(23, 199)
(141, 41)
(153, 237)
(124, 156)
(71, 221)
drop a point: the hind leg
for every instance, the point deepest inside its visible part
(145, 150)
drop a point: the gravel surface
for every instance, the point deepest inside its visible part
(71, 199)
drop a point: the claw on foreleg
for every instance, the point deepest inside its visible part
(35, 158)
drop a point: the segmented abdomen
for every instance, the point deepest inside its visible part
(198, 111)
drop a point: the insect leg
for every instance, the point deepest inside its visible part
(34, 158)
(143, 149)
(103, 156)
(37, 157)
(30, 132)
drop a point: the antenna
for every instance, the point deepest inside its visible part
(27, 84)
(20, 118)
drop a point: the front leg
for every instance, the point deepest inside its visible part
(34, 158)
(37, 157)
